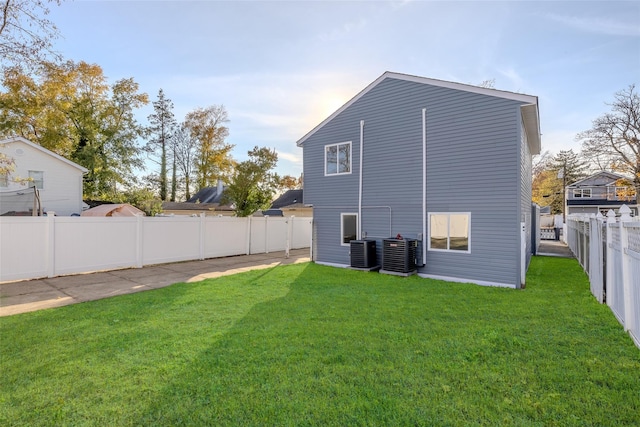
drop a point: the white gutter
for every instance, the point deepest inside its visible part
(424, 185)
(359, 229)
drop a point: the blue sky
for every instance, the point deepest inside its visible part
(281, 67)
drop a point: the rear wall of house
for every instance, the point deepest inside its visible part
(473, 166)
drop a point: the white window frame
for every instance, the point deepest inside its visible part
(38, 183)
(326, 173)
(448, 249)
(582, 193)
(342, 217)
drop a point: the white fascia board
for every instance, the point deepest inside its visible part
(44, 150)
(531, 119)
(528, 99)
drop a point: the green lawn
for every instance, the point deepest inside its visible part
(311, 345)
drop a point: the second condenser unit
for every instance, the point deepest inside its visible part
(399, 256)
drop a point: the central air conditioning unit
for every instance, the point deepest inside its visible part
(363, 254)
(399, 256)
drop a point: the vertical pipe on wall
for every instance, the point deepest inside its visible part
(424, 185)
(359, 229)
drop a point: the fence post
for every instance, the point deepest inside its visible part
(202, 231)
(51, 244)
(248, 219)
(139, 240)
(625, 216)
(611, 222)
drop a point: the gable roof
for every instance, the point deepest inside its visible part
(207, 195)
(43, 150)
(610, 177)
(290, 197)
(530, 114)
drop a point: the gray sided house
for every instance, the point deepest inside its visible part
(445, 163)
(600, 192)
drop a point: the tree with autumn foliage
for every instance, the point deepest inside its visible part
(208, 127)
(554, 175)
(71, 109)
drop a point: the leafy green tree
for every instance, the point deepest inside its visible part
(161, 132)
(208, 127)
(614, 138)
(253, 183)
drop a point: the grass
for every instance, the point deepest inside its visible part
(312, 345)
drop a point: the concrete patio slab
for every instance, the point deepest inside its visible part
(32, 295)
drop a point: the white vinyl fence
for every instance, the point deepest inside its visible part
(609, 251)
(35, 247)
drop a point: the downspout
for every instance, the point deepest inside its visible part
(359, 234)
(424, 185)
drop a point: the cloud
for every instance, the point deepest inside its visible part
(606, 26)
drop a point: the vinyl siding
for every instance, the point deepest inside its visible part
(473, 165)
(62, 192)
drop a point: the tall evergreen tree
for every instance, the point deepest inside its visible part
(161, 131)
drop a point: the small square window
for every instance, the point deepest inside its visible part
(337, 158)
(449, 232)
(36, 178)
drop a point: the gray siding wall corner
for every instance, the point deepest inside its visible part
(474, 164)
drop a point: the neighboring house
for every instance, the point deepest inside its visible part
(427, 158)
(290, 204)
(207, 200)
(599, 193)
(58, 180)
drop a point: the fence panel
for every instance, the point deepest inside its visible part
(610, 255)
(632, 278)
(225, 236)
(24, 248)
(170, 239)
(596, 276)
(35, 247)
(615, 290)
(300, 232)
(92, 244)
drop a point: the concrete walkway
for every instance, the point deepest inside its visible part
(554, 248)
(32, 295)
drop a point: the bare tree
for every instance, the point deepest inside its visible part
(185, 152)
(25, 34)
(614, 137)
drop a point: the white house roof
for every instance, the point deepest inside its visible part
(44, 150)
(530, 113)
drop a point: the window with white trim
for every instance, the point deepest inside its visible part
(337, 158)
(36, 178)
(450, 232)
(581, 193)
(348, 228)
